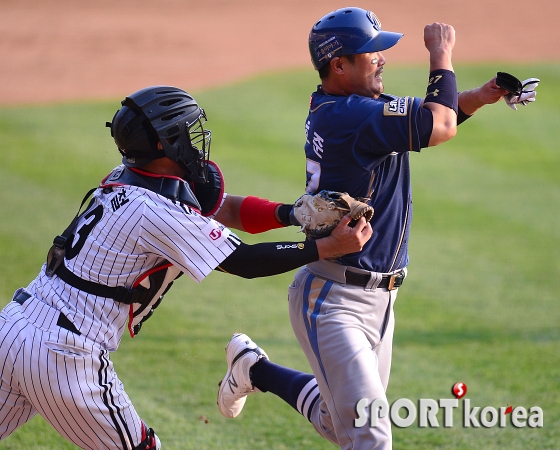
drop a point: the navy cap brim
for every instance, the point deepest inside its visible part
(383, 41)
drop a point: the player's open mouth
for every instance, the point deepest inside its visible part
(378, 73)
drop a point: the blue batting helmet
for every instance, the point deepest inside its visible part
(348, 31)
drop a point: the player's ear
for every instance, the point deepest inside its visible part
(337, 65)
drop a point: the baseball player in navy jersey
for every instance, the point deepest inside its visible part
(358, 140)
(162, 213)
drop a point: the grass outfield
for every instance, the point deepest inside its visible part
(480, 304)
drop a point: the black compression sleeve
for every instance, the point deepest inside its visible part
(269, 258)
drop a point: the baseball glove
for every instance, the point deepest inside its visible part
(520, 92)
(319, 214)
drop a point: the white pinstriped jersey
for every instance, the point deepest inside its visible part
(126, 232)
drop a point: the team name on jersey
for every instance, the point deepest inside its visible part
(318, 145)
(397, 107)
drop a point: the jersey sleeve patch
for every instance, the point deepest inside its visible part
(216, 232)
(396, 107)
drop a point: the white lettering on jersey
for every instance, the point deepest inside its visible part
(397, 107)
(215, 232)
(318, 145)
(307, 132)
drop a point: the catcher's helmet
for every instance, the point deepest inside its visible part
(168, 115)
(348, 31)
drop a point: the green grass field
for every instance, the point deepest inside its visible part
(480, 304)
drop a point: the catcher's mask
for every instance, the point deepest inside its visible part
(348, 31)
(168, 115)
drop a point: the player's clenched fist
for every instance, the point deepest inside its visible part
(439, 36)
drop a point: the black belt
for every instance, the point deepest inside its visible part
(62, 322)
(387, 281)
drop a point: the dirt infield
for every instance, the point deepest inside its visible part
(58, 50)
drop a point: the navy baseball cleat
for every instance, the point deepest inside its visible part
(241, 354)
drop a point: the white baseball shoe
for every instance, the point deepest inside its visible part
(241, 354)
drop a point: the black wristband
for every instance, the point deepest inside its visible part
(442, 89)
(461, 116)
(286, 215)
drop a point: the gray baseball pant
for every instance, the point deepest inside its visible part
(346, 332)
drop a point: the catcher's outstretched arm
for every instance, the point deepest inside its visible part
(269, 258)
(272, 258)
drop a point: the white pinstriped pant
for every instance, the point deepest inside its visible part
(346, 332)
(64, 377)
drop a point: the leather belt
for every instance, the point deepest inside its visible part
(62, 322)
(389, 282)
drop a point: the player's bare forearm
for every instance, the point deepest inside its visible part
(440, 59)
(344, 239)
(250, 214)
(229, 212)
(439, 39)
(472, 100)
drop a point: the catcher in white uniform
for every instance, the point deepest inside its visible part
(150, 220)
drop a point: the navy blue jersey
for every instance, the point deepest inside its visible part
(361, 146)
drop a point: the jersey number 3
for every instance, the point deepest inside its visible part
(88, 221)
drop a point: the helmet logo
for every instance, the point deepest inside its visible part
(328, 48)
(374, 20)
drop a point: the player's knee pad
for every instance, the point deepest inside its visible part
(150, 441)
